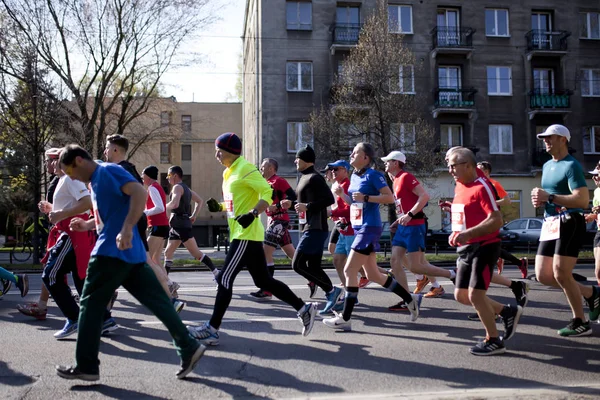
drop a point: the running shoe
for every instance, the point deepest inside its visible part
(401, 306)
(415, 306)
(109, 325)
(510, 318)
(6, 285)
(523, 267)
(338, 322)
(69, 329)
(435, 292)
(576, 328)
(188, 364)
(312, 287)
(23, 284)
(421, 283)
(500, 265)
(75, 296)
(339, 306)
(33, 310)
(475, 317)
(205, 334)
(178, 305)
(307, 316)
(363, 282)
(520, 291)
(73, 372)
(489, 347)
(111, 303)
(261, 295)
(332, 299)
(173, 287)
(594, 303)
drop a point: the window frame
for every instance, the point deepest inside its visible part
(400, 78)
(498, 81)
(164, 122)
(588, 18)
(590, 82)
(495, 10)
(297, 25)
(182, 152)
(398, 28)
(500, 152)
(401, 134)
(167, 156)
(299, 76)
(184, 124)
(449, 131)
(299, 135)
(591, 130)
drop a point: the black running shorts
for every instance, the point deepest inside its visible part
(476, 264)
(572, 232)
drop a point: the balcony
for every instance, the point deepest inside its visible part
(544, 43)
(452, 40)
(452, 101)
(556, 102)
(344, 36)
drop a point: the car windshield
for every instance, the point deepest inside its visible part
(517, 224)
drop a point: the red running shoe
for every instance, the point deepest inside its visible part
(523, 267)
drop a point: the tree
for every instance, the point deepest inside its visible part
(108, 54)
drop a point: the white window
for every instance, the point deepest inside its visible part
(403, 137)
(590, 82)
(299, 15)
(501, 139)
(590, 25)
(298, 135)
(496, 22)
(591, 140)
(404, 82)
(499, 81)
(299, 76)
(400, 19)
(450, 136)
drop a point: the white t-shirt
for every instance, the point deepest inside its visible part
(68, 192)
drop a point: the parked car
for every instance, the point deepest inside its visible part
(385, 240)
(521, 232)
(438, 239)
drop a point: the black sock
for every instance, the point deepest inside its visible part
(168, 264)
(349, 302)
(393, 286)
(271, 270)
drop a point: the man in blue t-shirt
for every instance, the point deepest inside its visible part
(117, 259)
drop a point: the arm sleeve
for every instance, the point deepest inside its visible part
(290, 194)
(156, 200)
(259, 184)
(323, 194)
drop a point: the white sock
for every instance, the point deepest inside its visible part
(418, 276)
(215, 272)
(435, 284)
(452, 274)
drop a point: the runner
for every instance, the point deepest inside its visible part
(368, 189)
(314, 196)
(476, 221)
(277, 233)
(118, 258)
(564, 195)
(246, 194)
(594, 216)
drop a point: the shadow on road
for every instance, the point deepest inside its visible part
(10, 377)
(113, 392)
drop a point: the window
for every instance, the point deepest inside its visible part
(590, 25)
(518, 224)
(400, 19)
(450, 136)
(298, 135)
(299, 15)
(404, 82)
(165, 118)
(590, 82)
(403, 137)
(535, 224)
(165, 152)
(512, 211)
(496, 22)
(543, 81)
(186, 123)
(501, 139)
(299, 76)
(186, 152)
(499, 81)
(591, 140)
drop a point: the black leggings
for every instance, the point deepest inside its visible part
(250, 254)
(309, 266)
(505, 255)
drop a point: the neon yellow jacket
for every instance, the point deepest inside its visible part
(243, 187)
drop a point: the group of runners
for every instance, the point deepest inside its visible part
(101, 212)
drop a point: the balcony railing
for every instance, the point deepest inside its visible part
(452, 37)
(541, 99)
(346, 34)
(454, 98)
(541, 40)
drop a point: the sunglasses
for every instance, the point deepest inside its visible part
(334, 169)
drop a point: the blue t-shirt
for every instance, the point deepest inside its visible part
(111, 206)
(368, 183)
(562, 177)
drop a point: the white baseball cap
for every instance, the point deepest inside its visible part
(556, 129)
(395, 155)
(594, 172)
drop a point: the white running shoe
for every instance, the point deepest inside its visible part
(414, 307)
(338, 322)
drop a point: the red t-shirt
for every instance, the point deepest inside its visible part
(472, 204)
(159, 219)
(499, 189)
(279, 186)
(342, 211)
(405, 199)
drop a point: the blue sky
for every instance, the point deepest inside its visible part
(213, 80)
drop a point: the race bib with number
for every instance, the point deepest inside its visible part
(97, 219)
(356, 214)
(228, 199)
(398, 203)
(459, 223)
(302, 217)
(550, 229)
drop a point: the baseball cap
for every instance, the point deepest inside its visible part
(395, 155)
(556, 129)
(594, 172)
(339, 163)
(53, 152)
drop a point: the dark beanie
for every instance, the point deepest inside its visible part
(230, 142)
(151, 172)
(307, 154)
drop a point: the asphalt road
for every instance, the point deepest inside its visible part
(263, 355)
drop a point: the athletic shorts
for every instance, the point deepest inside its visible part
(475, 265)
(572, 232)
(335, 236)
(312, 241)
(411, 237)
(366, 240)
(597, 239)
(160, 231)
(344, 245)
(183, 234)
(277, 234)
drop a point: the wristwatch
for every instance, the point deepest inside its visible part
(410, 214)
(551, 199)
(366, 198)
(254, 212)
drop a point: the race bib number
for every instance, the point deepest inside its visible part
(302, 217)
(398, 203)
(356, 213)
(228, 198)
(550, 229)
(97, 218)
(459, 223)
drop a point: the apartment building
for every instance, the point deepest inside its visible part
(496, 74)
